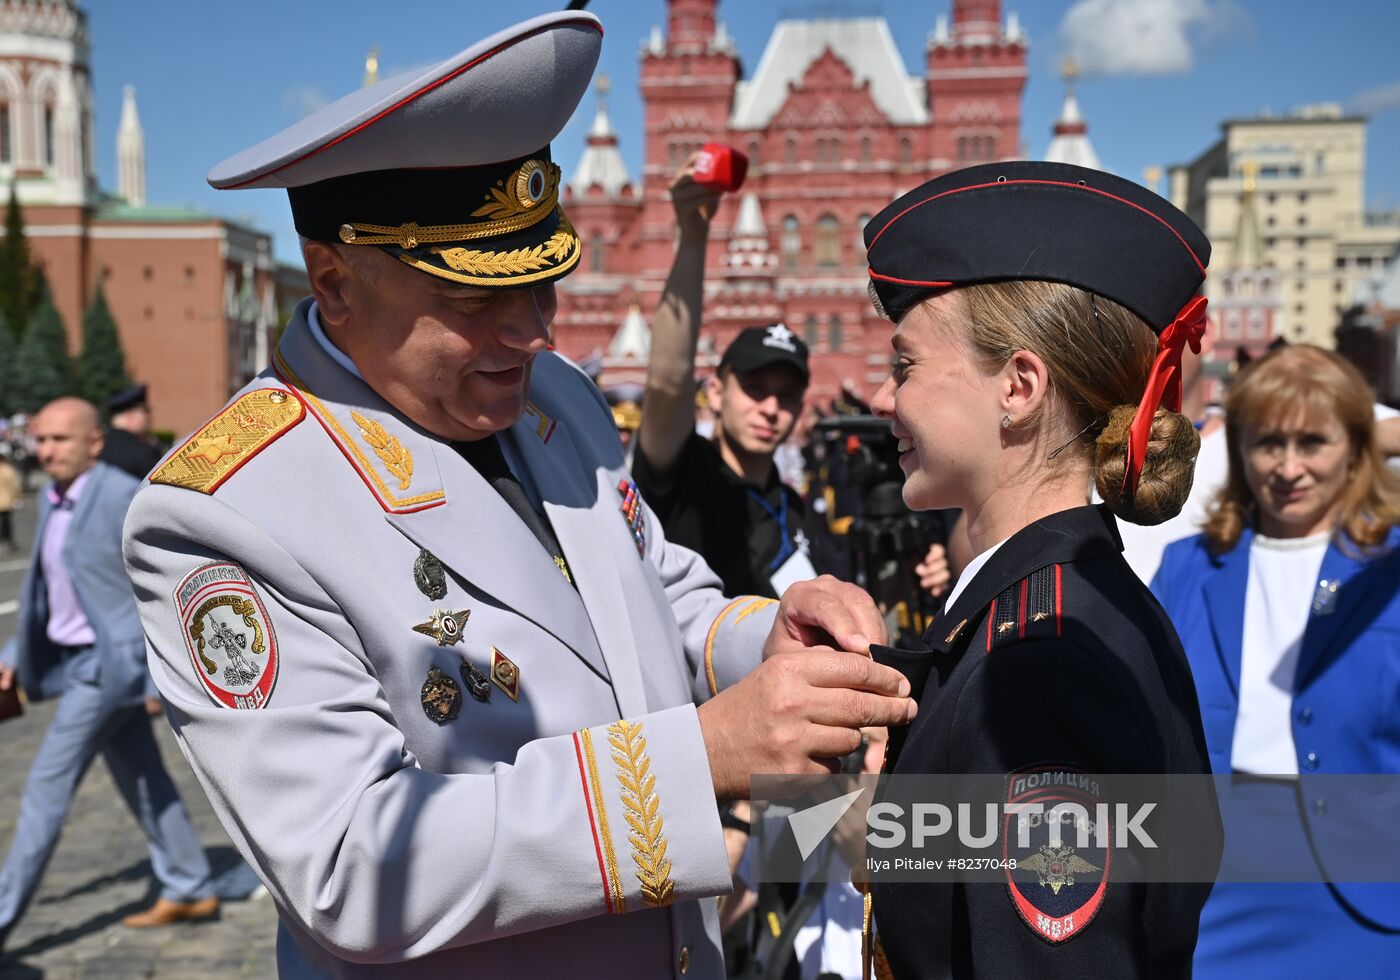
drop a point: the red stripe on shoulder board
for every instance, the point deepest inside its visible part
(1025, 586)
(991, 624)
(1059, 630)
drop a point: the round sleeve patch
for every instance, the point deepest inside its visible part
(233, 649)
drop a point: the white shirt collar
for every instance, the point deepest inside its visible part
(313, 320)
(970, 572)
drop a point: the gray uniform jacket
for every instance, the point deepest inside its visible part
(92, 555)
(565, 825)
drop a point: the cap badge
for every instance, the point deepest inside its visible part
(441, 697)
(444, 626)
(781, 337)
(531, 184)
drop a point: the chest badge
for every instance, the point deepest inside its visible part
(633, 514)
(444, 626)
(429, 576)
(441, 696)
(478, 684)
(505, 674)
(1325, 597)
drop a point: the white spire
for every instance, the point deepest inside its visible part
(1071, 142)
(131, 152)
(633, 338)
(601, 164)
(750, 221)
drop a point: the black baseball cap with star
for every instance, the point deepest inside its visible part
(758, 347)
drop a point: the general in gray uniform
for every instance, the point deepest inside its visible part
(422, 641)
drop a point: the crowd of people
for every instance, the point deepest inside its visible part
(477, 686)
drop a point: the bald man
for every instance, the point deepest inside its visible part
(79, 639)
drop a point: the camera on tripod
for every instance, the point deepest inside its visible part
(884, 539)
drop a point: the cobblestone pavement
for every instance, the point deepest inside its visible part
(101, 871)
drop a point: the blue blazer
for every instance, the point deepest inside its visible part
(1346, 691)
(92, 554)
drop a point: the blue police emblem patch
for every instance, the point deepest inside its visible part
(1058, 832)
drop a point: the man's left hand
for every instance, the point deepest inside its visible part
(826, 612)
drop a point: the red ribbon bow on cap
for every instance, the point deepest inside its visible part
(1163, 384)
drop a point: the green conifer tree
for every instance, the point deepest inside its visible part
(43, 369)
(7, 370)
(20, 281)
(101, 365)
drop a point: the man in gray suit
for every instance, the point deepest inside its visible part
(80, 640)
(423, 643)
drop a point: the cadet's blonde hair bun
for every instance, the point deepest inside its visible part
(1167, 471)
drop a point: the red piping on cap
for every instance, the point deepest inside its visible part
(906, 282)
(409, 98)
(1047, 183)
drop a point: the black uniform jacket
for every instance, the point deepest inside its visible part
(1055, 657)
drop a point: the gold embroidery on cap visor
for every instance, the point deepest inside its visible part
(529, 195)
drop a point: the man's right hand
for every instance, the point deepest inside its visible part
(798, 713)
(7, 677)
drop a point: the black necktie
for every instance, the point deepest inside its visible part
(485, 456)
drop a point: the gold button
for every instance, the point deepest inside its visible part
(685, 960)
(277, 397)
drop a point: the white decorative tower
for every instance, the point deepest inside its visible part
(46, 102)
(131, 152)
(1071, 143)
(601, 165)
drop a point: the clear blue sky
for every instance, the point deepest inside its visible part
(212, 78)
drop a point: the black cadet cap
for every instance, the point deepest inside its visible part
(758, 347)
(1042, 221)
(124, 399)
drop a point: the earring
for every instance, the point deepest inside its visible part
(1006, 421)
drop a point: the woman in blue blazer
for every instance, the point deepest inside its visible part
(1288, 607)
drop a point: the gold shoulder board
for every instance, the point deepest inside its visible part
(230, 439)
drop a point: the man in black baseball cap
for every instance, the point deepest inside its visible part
(721, 496)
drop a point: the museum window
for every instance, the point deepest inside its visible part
(962, 148)
(791, 242)
(835, 333)
(906, 150)
(595, 258)
(861, 222)
(5, 132)
(865, 149)
(790, 150)
(48, 136)
(810, 333)
(827, 253)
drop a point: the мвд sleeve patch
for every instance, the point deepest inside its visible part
(233, 649)
(1062, 846)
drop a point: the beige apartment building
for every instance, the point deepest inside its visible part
(1309, 170)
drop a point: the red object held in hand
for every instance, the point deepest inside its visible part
(720, 166)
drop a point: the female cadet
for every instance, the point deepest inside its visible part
(1042, 311)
